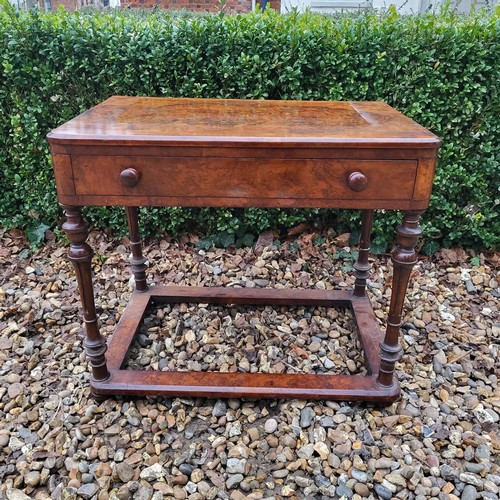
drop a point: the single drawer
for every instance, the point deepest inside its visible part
(183, 180)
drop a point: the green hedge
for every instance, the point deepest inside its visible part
(441, 70)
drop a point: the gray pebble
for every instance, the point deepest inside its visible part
(329, 364)
(260, 282)
(469, 453)
(342, 479)
(83, 467)
(385, 463)
(15, 494)
(302, 481)
(489, 496)
(306, 416)
(474, 468)
(470, 287)
(407, 471)
(87, 478)
(220, 408)
(360, 476)
(306, 451)
(413, 410)
(469, 493)
(344, 491)
(190, 487)
(15, 444)
(235, 465)
(153, 473)
(471, 479)
(143, 340)
(448, 473)
(186, 469)
(280, 473)
(271, 425)
(145, 492)
(368, 437)
(326, 422)
(322, 481)
(234, 480)
(383, 492)
(427, 431)
(483, 452)
(493, 414)
(133, 486)
(32, 478)
(124, 472)
(54, 486)
(88, 490)
(133, 420)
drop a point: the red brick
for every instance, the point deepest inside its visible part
(232, 6)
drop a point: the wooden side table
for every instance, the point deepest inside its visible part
(136, 151)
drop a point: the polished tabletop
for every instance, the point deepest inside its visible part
(152, 120)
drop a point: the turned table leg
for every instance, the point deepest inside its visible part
(80, 254)
(361, 267)
(137, 261)
(403, 257)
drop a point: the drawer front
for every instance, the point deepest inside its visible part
(184, 181)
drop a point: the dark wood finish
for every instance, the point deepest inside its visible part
(214, 295)
(137, 260)
(254, 385)
(130, 177)
(404, 257)
(304, 152)
(135, 151)
(359, 387)
(361, 266)
(223, 181)
(225, 122)
(357, 181)
(80, 254)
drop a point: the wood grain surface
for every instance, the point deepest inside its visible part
(122, 120)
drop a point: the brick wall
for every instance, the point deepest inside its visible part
(71, 4)
(232, 6)
(53, 4)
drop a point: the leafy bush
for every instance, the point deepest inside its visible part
(441, 70)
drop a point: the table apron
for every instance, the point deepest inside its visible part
(243, 182)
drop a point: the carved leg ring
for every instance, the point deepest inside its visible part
(361, 267)
(137, 261)
(80, 254)
(404, 258)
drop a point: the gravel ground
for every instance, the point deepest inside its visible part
(440, 440)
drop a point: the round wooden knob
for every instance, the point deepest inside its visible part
(357, 181)
(130, 177)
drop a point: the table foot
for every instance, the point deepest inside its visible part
(98, 398)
